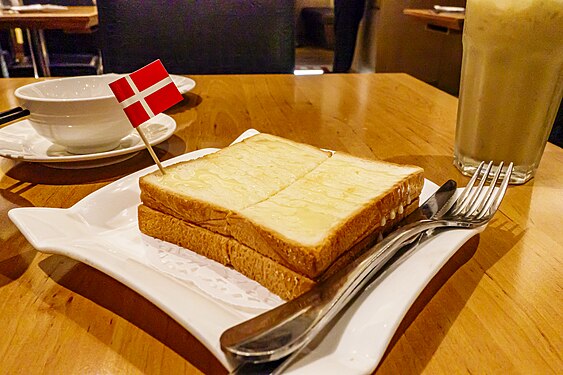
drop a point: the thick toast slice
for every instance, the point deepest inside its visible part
(293, 204)
(310, 223)
(277, 278)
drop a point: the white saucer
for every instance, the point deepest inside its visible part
(184, 84)
(19, 141)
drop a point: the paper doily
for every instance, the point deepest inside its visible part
(212, 278)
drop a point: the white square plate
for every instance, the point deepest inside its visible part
(101, 231)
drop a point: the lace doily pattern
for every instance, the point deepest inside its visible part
(210, 277)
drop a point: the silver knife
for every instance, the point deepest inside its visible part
(288, 328)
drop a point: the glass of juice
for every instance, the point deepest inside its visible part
(511, 83)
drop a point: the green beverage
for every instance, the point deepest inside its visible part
(511, 83)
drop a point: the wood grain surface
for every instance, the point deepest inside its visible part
(499, 313)
(74, 18)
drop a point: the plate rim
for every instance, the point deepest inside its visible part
(187, 85)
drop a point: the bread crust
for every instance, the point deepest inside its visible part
(309, 261)
(226, 232)
(184, 234)
(313, 261)
(367, 240)
(278, 279)
(204, 214)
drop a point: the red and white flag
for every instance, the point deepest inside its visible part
(146, 92)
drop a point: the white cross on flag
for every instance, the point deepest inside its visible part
(146, 92)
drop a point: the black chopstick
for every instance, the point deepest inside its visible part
(10, 111)
(13, 114)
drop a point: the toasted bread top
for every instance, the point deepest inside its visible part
(294, 203)
(239, 175)
(312, 207)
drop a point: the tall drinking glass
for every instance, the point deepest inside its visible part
(511, 83)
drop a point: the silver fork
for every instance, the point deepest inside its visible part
(287, 329)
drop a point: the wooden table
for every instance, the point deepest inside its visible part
(74, 19)
(448, 20)
(500, 313)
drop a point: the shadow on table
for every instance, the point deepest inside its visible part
(437, 308)
(15, 256)
(190, 101)
(15, 253)
(129, 305)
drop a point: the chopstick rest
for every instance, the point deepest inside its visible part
(13, 114)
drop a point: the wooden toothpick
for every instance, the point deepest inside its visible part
(151, 151)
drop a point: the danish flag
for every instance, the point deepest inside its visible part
(146, 92)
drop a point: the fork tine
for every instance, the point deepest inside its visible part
(468, 194)
(488, 196)
(476, 194)
(461, 199)
(493, 206)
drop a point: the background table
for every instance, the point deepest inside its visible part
(74, 19)
(499, 313)
(449, 20)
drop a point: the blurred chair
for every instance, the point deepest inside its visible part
(197, 36)
(5, 55)
(70, 54)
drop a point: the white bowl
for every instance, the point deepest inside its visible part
(78, 113)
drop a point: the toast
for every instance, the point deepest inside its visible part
(205, 191)
(280, 212)
(277, 278)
